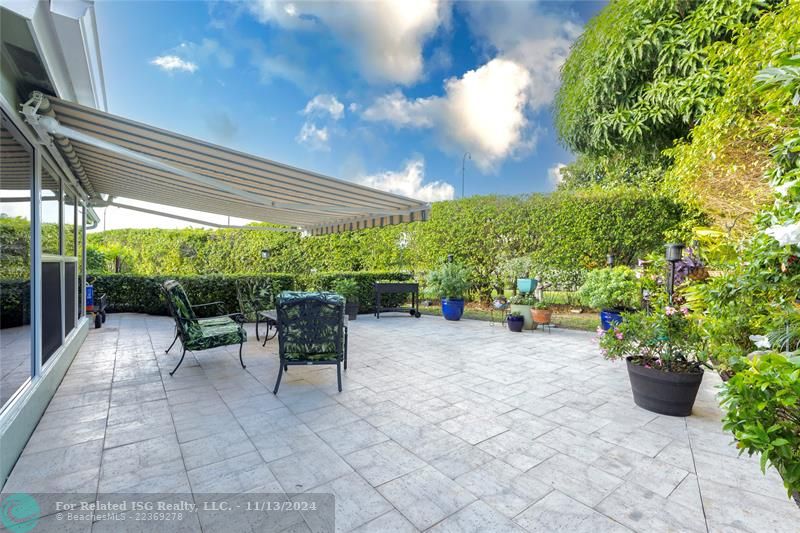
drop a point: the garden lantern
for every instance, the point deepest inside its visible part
(674, 254)
(264, 254)
(610, 260)
(449, 258)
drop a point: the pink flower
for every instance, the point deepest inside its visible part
(599, 330)
(685, 311)
(619, 335)
(669, 311)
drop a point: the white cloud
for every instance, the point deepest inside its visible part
(402, 112)
(313, 137)
(206, 49)
(555, 174)
(386, 36)
(325, 103)
(172, 63)
(483, 112)
(506, 29)
(409, 182)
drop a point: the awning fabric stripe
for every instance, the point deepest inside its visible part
(242, 185)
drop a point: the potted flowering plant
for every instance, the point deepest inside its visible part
(522, 303)
(665, 352)
(612, 290)
(515, 321)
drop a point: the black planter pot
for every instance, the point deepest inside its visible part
(351, 308)
(666, 393)
(516, 325)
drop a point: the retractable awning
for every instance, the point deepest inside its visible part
(122, 158)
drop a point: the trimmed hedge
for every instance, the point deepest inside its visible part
(565, 230)
(128, 293)
(365, 281)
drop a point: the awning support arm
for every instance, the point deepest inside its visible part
(194, 220)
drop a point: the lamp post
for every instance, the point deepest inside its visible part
(673, 255)
(463, 166)
(610, 260)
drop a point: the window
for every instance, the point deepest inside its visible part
(16, 186)
(51, 213)
(81, 262)
(69, 224)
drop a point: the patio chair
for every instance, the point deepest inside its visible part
(311, 331)
(257, 301)
(202, 334)
(220, 318)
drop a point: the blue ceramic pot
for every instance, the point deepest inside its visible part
(452, 309)
(609, 317)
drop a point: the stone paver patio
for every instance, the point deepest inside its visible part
(445, 427)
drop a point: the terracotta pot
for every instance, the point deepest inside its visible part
(541, 316)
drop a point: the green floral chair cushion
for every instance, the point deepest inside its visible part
(201, 334)
(310, 331)
(310, 326)
(254, 296)
(215, 335)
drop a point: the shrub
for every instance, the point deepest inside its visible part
(610, 288)
(762, 403)
(347, 287)
(141, 294)
(128, 293)
(559, 232)
(450, 281)
(365, 282)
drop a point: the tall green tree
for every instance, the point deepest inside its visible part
(644, 72)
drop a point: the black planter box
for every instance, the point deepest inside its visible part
(666, 393)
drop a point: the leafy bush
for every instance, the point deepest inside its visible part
(347, 287)
(559, 232)
(141, 294)
(751, 309)
(129, 293)
(721, 168)
(762, 403)
(365, 282)
(515, 268)
(643, 72)
(610, 288)
(450, 281)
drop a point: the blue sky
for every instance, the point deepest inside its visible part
(389, 94)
